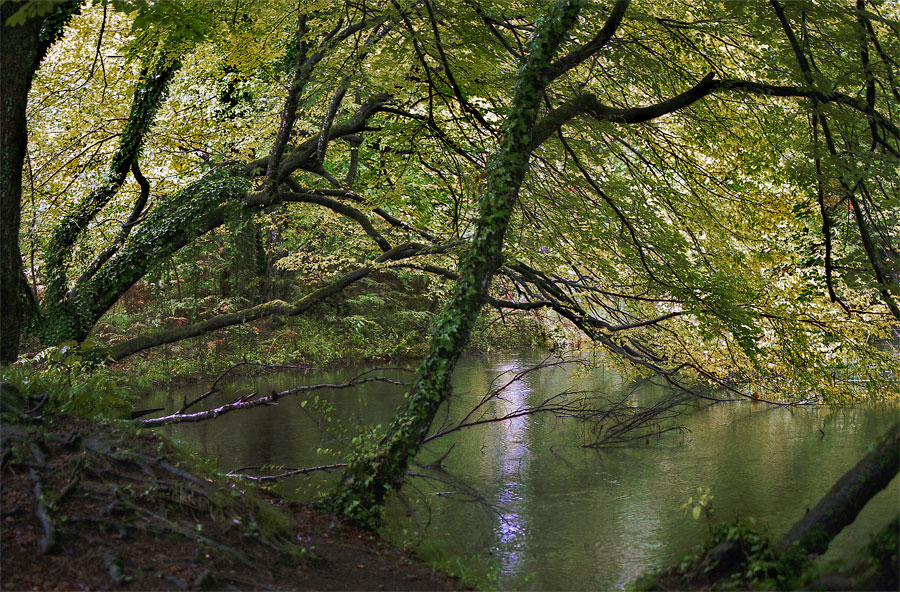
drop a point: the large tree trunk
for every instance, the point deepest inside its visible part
(374, 473)
(22, 47)
(18, 55)
(840, 506)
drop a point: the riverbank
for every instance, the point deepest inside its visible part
(87, 505)
(382, 319)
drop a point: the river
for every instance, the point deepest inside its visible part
(552, 514)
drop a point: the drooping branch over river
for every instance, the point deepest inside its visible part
(707, 193)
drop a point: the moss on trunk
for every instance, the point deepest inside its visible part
(373, 473)
(173, 224)
(840, 506)
(68, 318)
(22, 47)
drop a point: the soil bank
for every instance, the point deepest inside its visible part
(88, 506)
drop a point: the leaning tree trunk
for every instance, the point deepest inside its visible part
(22, 47)
(840, 506)
(71, 313)
(375, 472)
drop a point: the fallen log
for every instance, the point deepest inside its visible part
(840, 506)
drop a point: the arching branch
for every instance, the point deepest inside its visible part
(268, 309)
(336, 206)
(138, 211)
(576, 57)
(588, 104)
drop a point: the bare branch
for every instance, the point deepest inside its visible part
(250, 401)
(213, 389)
(239, 473)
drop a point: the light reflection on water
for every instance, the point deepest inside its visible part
(511, 524)
(565, 517)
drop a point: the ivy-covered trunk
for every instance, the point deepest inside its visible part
(374, 472)
(174, 223)
(70, 312)
(22, 47)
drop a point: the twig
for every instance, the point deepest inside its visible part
(73, 480)
(136, 458)
(410, 511)
(213, 389)
(41, 402)
(439, 461)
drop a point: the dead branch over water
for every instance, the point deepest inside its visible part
(253, 399)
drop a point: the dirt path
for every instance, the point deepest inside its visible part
(89, 507)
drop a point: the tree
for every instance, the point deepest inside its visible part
(711, 198)
(22, 49)
(840, 506)
(374, 474)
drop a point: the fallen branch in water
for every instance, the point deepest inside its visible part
(239, 473)
(617, 421)
(248, 402)
(213, 388)
(611, 420)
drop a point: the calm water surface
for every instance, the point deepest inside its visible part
(552, 514)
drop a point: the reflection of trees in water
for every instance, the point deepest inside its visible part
(535, 494)
(516, 399)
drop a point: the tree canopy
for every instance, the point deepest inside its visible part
(707, 191)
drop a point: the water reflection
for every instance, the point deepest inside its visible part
(512, 524)
(567, 517)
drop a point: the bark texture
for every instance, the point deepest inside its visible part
(22, 47)
(71, 314)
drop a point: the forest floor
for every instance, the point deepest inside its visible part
(87, 506)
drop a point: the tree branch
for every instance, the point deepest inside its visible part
(573, 59)
(302, 71)
(304, 155)
(250, 401)
(137, 213)
(774, 90)
(268, 309)
(343, 209)
(589, 104)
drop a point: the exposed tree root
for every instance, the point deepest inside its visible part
(120, 510)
